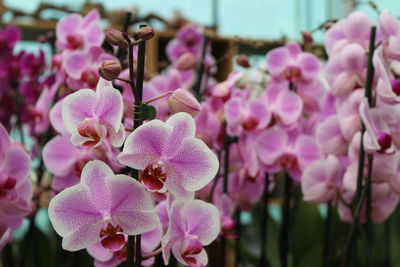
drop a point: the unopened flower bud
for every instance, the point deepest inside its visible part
(116, 38)
(183, 101)
(110, 69)
(307, 37)
(243, 61)
(146, 33)
(186, 61)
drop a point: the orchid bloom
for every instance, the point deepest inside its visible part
(74, 32)
(15, 187)
(169, 155)
(290, 64)
(103, 207)
(389, 27)
(279, 150)
(377, 136)
(321, 181)
(91, 116)
(245, 115)
(193, 224)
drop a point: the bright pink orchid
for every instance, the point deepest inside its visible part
(170, 157)
(193, 224)
(279, 150)
(321, 181)
(74, 32)
(91, 116)
(289, 63)
(103, 207)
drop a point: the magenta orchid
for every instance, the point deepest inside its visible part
(102, 207)
(169, 155)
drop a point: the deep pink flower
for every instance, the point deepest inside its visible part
(289, 63)
(102, 207)
(193, 224)
(170, 157)
(8, 38)
(74, 32)
(91, 116)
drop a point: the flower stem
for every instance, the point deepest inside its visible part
(238, 234)
(158, 97)
(284, 230)
(7, 256)
(264, 223)
(327, 236)
(121, 53)
(200, 71)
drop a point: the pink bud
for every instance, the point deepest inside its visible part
(183, 101)
(186, 61)
(146, 33)
(110, 69)
(243, 61)
(116, 38)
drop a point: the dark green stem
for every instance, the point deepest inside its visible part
(7, 256)
(200, 71)
(264, 223)
(327, 236)
(121, 53)
(284, 230)
(238, 258)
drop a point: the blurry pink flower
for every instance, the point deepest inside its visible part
(226, 208)
(346, 70)
(74, 32)
(208, 126)
(102, 207)
(286, 106)
(322, 180)
(15, 187)
(389, 27)
(329, 137)
(170, 157)
(91, 116)
(245, 115)
(193, 224)
(353, 29)
(289, 63)
(377, 137)
(348, 113)
(82, 67)
(279, 150)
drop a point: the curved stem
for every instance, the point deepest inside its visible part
(158, 97)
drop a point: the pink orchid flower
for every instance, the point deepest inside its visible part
(322, 180)
(329, 137)
(290, 64)
(349, 114)
(171, 158)
(353, 29)
(245, 115)
(103, 207)
(389, 27)
(66, 161)
(82, 67)
(91, 116)
(346, 70)
(15, 187)
(74, 32)
(285, 106)
(193, 224)
(377, 137)
(279, 150)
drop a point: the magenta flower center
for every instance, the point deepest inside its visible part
(292, 73)
(288, 161)
(5, 189)
(112, 237)
(395, 86)
(385, 141)
(190, 247)
(74, 41)
(250, 123)
(154, 176)
(90, 128)
(90, 77)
